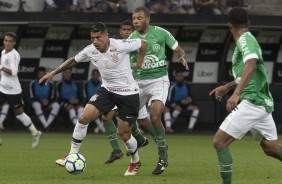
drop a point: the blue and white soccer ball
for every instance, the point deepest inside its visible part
(75, 163)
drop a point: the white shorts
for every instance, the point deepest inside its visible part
(142, 113)
(153, 89)
(249, 117)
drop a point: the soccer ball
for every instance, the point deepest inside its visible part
(75, 163)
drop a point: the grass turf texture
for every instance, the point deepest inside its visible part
(191, 160)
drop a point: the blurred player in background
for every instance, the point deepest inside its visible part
(90, 87)
(254, 113)
(10, 87)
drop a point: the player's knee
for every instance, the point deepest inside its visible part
(270, 149)
(218, 144)
(155, 118)
(83, 119)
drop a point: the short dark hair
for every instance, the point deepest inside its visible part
(40, 69)
(238, 16)
(95, 70)
(126, 23)
(143, 9)
(99, 27)
(11, 34)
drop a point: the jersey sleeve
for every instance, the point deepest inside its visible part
(248, 46)
(170, 41)
(82, 56)
(128, 45)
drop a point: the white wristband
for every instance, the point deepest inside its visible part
(1, 67)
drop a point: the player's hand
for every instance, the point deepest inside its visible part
(46, 78)
(184, 62)
(219, 92)
(137, 65)
(232, 102)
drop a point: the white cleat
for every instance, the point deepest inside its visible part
(61, 161)
(36, 139)
(133, 169)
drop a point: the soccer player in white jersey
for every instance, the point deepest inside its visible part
(10, 88)
(251, 87)
(126, 28)
(152, 77)
(111, 57)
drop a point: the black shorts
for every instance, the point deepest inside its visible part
(15, 101)
(128, 105)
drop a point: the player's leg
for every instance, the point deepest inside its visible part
(72, 112)
(141, 140)
(55, 108)
(156, 113)
(158, 91)
(111, 132)
(16, 102)
(265, 133)
(128, 107)
(193, 117)
(39, 113)
(89, 113)
(235, 126)
(3, 114)
(168, 120)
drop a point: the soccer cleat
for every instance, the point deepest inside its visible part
(169, 131)
(161, 166)
(132, 169)
(61, 161)
(114, 156)
(36, 139)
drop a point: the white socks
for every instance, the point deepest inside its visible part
(193, 118)
(78, 135)
(131, 147)
(4, 112)
(26, 121)
(167, 119)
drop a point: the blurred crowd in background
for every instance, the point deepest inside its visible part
(216, 7)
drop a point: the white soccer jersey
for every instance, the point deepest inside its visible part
(10, 84)
(114, 65)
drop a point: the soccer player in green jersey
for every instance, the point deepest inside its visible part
(152, 77)
(251, 88)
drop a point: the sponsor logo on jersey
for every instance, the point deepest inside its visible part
(118, 89)
(114, 57)
(152, 61)
(156, 47)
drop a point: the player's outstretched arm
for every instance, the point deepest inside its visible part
(69, 63)
(141, 55)
(220, 91)
(181, 56)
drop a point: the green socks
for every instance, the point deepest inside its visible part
(150, 128)
(160, 140)
(137, 135)
(225, 165)
(111, 131)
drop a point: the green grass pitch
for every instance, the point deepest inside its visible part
(192, 160)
